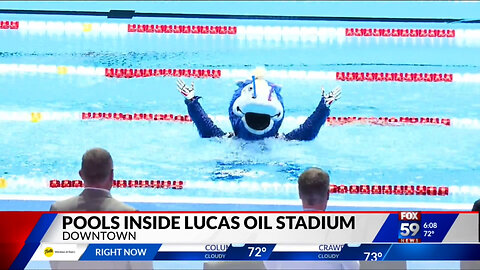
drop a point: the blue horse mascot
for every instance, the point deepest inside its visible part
(256, 111)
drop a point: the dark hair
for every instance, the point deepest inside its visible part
(97, 164)
(313, 182)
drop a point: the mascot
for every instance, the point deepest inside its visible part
(256, 111)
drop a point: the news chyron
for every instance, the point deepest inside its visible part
(230, 236)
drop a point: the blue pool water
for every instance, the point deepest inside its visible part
(229, 171)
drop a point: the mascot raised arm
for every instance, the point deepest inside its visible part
(256, 111)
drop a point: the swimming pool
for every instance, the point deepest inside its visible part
(53, 70)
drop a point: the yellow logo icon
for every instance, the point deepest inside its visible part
(3, 182)
(48, 252)
(62, 70)
(36, 117)
(87, 27)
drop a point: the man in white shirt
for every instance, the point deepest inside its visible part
(313, 190)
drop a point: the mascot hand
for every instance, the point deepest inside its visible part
(187, 92)
(335, 94)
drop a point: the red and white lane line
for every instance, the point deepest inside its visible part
(9, 25)
(364, 189)
(55, 27)
(182, 29)
(159, 184)
(395, 32)
(353, 192)
(168, 117)
(238, 74)
(417, 189)
(339, 76)
(142, 73)
(461, 37)
(393, 77)
(333, 121)
(230, 186)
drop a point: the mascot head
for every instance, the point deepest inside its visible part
(256, 109)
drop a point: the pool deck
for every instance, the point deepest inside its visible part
(44, 205)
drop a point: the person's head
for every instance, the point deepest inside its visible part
(97, 168)
(313, 189)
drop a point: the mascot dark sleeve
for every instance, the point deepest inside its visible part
(256, 111)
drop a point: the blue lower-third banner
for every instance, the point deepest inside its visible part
(121, 252)
(272, 252)
(362, 252)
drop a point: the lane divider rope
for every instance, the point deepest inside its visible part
(238, 74)
(9, 25)
(393, 77)
(409, 188)
(141, 73)
(461, 37)
(364, 189)
(162, 184)
(180, 118)
(182, 29)
(420, 33)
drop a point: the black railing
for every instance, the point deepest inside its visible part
(129, 14)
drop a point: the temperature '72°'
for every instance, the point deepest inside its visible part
(428, 233)
(256, 251)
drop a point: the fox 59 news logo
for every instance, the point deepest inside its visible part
(409, 231)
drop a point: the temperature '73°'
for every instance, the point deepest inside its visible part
(372, 256)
